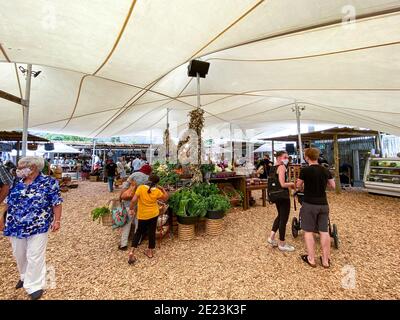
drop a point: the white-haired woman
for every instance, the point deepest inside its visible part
(34, 207)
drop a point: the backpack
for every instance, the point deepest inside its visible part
(275, 190)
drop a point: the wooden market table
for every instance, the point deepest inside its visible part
(239, 182)
(262, 187)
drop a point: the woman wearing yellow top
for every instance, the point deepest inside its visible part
(147, 213)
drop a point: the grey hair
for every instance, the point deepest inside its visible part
(38, 162)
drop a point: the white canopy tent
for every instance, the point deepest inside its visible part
(113, 68)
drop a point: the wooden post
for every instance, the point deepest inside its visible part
(336, 159)
(18, 154)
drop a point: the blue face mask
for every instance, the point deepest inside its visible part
(285, 162)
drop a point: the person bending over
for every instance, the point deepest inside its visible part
(147, 213)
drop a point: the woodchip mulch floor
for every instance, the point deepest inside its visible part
(238, 264)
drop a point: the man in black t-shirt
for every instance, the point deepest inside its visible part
(314, 213)
(111, 169)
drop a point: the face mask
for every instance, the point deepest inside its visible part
(285, 162)
(23, 173)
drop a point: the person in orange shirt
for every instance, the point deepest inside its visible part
(146, 197)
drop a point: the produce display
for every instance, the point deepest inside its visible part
(384, 171)
(382, 175)
(223, 170)
(168, 175)
(195, 201)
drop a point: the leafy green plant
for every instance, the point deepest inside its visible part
(205, 189)
(97, 213)
(218, 202)
(186, 203)
(207, 168)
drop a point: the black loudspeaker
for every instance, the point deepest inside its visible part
(198, 67)
(49, 146)
(290, 148)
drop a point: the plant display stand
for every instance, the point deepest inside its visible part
(186, 232)
(214, 227)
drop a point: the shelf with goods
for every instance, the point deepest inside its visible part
(382, 176)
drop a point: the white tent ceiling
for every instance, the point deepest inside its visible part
(114, 67)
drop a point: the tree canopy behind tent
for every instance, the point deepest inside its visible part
(113, 68)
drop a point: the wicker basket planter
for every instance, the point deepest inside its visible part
(186, 232)
(107, 220)
(214, 227)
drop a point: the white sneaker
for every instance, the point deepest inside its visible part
(286, 247)
(273, 243)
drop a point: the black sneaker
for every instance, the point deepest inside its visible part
(19, 285)
(36, 295)
(123, 248)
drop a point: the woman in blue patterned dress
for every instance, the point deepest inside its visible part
(34, 207)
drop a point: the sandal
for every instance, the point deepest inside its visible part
(132, 259)
(305, 259)
(145, 252)
(329, 263)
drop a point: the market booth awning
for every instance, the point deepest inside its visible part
(112, 68)
(333, 134)
(329, 134)
(15, 136)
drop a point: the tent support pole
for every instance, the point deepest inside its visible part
(93, 153)
(380, 146)
(198, 106)
(299, 132)
(151, 147)
(25, 108)
(336, 158)
(167, 142)
(273, 152)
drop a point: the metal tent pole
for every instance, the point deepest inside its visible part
(25, 108)
(93, 153)
(299, 132)
(198, 106)
(151, 147)
(167, 141)
(198, 90)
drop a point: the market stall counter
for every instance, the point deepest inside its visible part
(239, 182)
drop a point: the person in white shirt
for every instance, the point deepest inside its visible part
(121, 168)
(137, 163)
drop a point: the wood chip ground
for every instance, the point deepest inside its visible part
(84, 262)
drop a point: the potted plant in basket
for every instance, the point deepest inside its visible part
(217, 205)
(102, 213)
(188, 206)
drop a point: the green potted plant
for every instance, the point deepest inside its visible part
(188, 206)
(217, 205)
(102, 213)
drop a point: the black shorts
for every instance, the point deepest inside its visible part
(314, 217)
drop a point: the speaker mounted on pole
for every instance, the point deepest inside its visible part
(198, 67)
